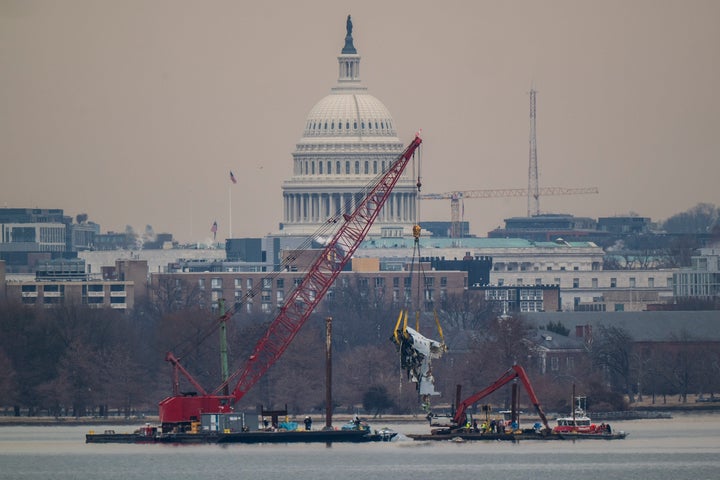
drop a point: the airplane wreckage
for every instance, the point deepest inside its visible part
(416, 353)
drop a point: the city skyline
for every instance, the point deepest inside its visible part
(135, 112)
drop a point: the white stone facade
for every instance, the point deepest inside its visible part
(600, 290)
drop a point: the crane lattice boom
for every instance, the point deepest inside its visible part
(299, 304)
(303, 300)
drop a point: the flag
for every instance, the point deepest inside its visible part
(213, 229)
(232, 177)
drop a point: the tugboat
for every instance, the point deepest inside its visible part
(579, 425)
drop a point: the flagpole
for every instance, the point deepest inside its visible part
(230, 211)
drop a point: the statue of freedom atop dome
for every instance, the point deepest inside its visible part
(349, 47)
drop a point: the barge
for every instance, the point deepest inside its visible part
(350, 433)
(514, 437)
(297, 436)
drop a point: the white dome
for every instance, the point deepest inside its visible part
(349, 114)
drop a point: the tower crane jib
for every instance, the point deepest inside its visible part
(458, 196)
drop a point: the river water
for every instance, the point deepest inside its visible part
(685, 447)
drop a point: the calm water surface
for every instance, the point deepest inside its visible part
(686, 447)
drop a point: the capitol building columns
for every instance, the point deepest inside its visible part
(317, 208)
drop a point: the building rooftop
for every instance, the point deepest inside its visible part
(470, 242)
(641, 326)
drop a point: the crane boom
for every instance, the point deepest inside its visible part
(320, 276)
(298, 306)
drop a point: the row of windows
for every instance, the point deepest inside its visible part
(697, 284)
(55, 300)
(711, 263)
(91, 287)
(632, 282)
(266, 305)
(52, 235)
(216, 283)
(596, 306)
(555, 363)
(526, 266)
(315, 126)
(325, 167)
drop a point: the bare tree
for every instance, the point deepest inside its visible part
(297, 378)
(506, 343)
(467, 310)
(699, 219)
(362, 312)
(126, 380)
(612, 351)
(8, 380)
(172, 294)
(80, 384)
(687, 365)
(358, 368)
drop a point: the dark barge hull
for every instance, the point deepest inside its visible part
(118, 438)
(515, 437)
(593, 436)
(314, 436)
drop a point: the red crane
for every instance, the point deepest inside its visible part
(180, 410)
(516, 371)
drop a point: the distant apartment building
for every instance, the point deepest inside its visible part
(64, 281)
(29, 236)
(265, 291)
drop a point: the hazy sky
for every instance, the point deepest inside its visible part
(134, 111)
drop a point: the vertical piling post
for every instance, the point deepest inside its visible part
(328, 373)
(515, 411)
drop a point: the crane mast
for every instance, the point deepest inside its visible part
(533, 186)
(297, 308)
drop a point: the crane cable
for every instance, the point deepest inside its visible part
(417, 230)
(422, 287)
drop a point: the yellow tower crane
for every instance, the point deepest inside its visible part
(458, 196)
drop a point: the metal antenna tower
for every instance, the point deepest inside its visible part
(533, 207)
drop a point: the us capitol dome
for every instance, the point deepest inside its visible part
(348, 140)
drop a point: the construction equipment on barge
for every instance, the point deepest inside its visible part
(459, 428)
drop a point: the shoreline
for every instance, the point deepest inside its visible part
(708, 407)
